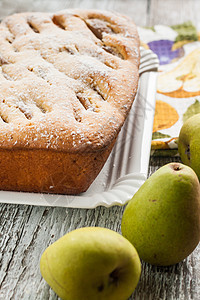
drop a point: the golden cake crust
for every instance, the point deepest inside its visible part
(67, 83)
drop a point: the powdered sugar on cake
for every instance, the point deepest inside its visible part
(67, 80)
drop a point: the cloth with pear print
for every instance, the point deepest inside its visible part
(178, 85)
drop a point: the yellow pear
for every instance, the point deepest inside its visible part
(162, 220)
(189, 143)
(91, 263)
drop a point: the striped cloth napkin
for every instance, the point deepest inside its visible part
(178, 85)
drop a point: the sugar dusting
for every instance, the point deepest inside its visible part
(47, 71)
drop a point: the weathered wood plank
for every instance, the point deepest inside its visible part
(27, 231)
(172, 12)
(137, 10)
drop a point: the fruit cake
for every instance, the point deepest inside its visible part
(67, 82)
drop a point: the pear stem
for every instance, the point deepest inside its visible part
(176, 167)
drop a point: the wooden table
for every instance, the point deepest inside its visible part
(27, 230)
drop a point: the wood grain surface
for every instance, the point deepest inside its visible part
(25, 231)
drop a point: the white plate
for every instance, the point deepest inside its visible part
(127, 166)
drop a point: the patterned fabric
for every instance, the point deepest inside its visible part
(178, 86)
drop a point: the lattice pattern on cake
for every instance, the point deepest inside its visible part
(74, 70)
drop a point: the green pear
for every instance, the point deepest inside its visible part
(162, 220)
(91, 263)
(189, 143)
